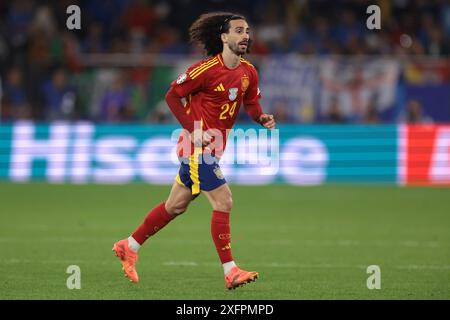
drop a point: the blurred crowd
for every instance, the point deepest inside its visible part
(44, 77)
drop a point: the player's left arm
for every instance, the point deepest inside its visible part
(252, 105)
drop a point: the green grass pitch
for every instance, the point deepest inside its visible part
(306, 242)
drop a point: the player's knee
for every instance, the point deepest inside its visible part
(225, 204)
(175, 209)
(179, 210)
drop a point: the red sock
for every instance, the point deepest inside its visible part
(153, 222)
(220, 231)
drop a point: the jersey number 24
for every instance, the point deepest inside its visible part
(227, 110)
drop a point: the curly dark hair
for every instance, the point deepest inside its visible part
(207, 29)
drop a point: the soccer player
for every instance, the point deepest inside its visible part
(214, 90)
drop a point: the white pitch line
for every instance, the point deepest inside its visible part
(274, 242)
(423, 267)
(216, 264)
(181, 263)
(306, 266)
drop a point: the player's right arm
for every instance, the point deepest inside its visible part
(180, 88)
(187, 84)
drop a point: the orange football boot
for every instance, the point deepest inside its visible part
(237, 278)
(128, 258)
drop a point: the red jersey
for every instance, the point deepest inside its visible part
(214, 94)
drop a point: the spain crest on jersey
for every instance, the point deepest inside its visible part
(245, 81)
(232, 93)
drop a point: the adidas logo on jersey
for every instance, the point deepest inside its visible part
(219, 88)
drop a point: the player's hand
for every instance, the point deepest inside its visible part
(267, 121)
(200, 138)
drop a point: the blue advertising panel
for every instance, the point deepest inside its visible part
(84, 152)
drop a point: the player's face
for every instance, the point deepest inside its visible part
(238, 36)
